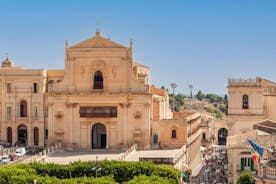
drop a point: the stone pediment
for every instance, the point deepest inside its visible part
(98, 42)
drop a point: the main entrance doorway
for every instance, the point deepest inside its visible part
(98, 135)
(22, 134)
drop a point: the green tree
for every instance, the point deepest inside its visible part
(225, 99)
(214, 98)
(200, 95)
(245, 178)
(178, 101)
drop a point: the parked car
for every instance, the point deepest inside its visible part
(20, 151)
(19, 144)
(6, 159)
(34, 150)
(5, 144)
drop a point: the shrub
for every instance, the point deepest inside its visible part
(82, 172)
(142, 179)
(245, 178)
(9, 172)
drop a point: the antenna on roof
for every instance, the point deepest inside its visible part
(7, 55)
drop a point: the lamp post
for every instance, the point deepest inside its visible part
(191, 90)
(173, 85)
(97, 167)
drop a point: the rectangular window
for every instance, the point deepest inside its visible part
(203, 135)
(98, 112)
(8, 87)
(247, 164)
(46, 133)
(35, 111)
(35, 87)
(9, 112)
(155, 138)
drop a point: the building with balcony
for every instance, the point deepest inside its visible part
(240, 156)
(266, 169)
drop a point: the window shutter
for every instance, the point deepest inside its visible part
(155, 139)
(252, 165)
(242, 164)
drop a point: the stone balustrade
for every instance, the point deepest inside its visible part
(180, 154)
(266, 173)
(269, 172)
(39, 157)
(128, 151)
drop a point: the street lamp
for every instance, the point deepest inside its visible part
(191, 90)
(173, 85)
(97, 167)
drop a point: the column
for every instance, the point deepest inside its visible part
(76, 125)
(29, 135)
(123, 124)
(51, 131)
(108, 133)
(14, 134)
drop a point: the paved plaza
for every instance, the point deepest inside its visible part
(65, 157)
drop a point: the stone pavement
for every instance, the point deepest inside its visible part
(135, 155)
(65, 157)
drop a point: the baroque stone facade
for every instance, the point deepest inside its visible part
(250, 101)
(101, 100)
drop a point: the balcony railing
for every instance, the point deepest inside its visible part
(269, 172)
(17, 118)
(266, 171)
(22, 118)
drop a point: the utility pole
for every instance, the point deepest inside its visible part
(191, 90)
(173, 85)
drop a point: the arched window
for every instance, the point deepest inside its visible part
(174, 134)
(245, 101)
(23, 108)
(98, 80)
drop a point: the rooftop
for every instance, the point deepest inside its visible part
(250, 82)
(98, 41)
(240, 140)
(267, 126)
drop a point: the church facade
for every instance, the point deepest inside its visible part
(101, 100)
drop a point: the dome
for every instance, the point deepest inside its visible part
(7, 63)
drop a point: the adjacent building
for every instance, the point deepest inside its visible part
(240, 155)
(22, 104)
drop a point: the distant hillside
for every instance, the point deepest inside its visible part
(210, 103)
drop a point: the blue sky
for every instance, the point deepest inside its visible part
(187, 42)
